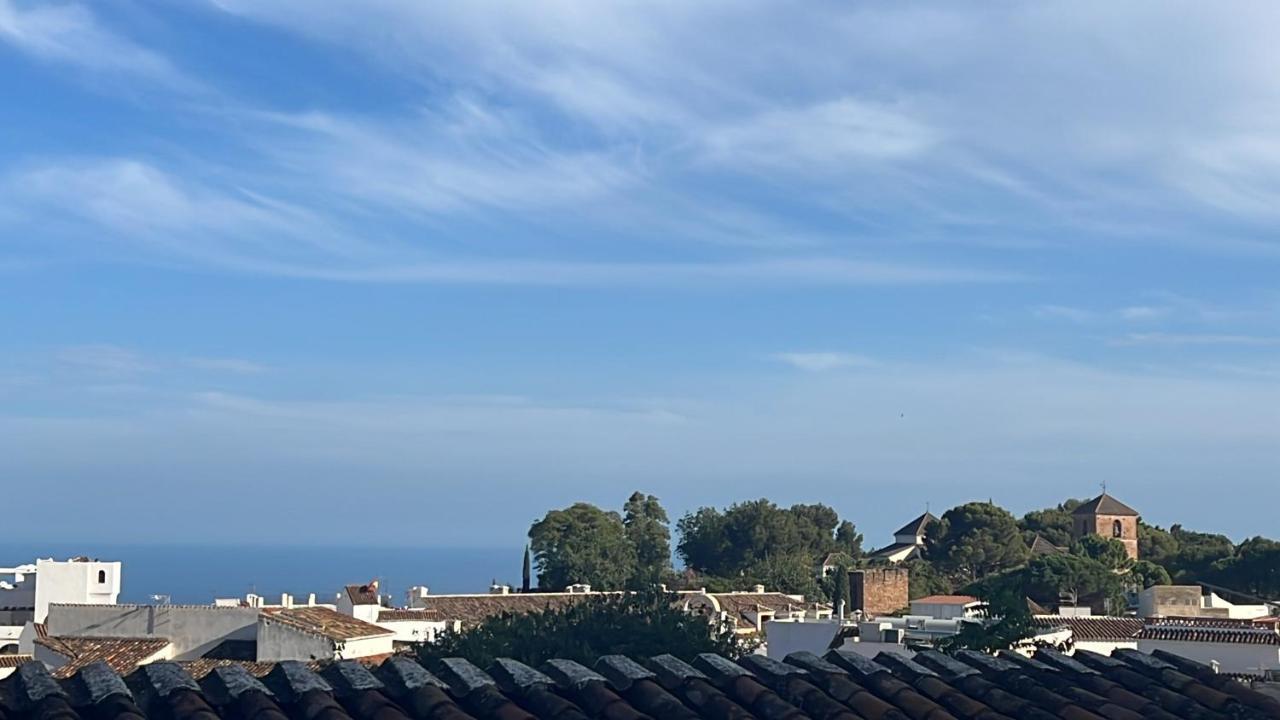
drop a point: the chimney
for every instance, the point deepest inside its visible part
(758, 589)
(496, 589)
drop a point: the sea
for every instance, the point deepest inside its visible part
(196, 574)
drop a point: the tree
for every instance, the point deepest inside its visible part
(641, 624)
(1145, 574)
(1053, 524)
(848, 540)
(756, 537)
(1107, 551)
(1005, 620)
(1254, 569)
(926, 579)
(582, 544)
(1197, 554)
(647, 530)
(975, 540)
(1049, 578)
(836, 587)
(1156, 544)
(525, 572)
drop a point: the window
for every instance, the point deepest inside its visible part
(102, 577)
(1117, 529)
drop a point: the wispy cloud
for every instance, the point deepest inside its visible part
(1174, 339)
(104, 359)
(823, 361)
(69, 33)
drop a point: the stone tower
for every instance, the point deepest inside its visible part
(1109, 518)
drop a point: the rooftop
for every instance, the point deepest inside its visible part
(363, 594)
(1104, 504)
(917, 526)
(839, 685)
(1096, 628)
(325, 622)
(946, 599)
(120, 653)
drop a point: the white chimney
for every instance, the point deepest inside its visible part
(497, 589)
(758, 589)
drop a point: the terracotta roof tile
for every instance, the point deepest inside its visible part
(13, 661)
(122, 654)
(1104, 504)
(324, 622)
(399, 615)
(946, 599)
(837, 686)
(1092, 628)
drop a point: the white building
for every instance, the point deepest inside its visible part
(946, 607)
(27, 591)
(908, 541)
(1191, 601)
(1230, 646)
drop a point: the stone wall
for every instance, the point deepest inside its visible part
(879, 591)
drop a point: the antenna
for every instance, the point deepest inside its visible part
(1104, 487)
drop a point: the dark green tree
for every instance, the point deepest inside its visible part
(1156, 544)
(526, 572)
(759, 539)
(1254, 568)
(1197, 554)
(975, 540)
(848, 540)
(641, 624)
(1107, 551)
(1077, 579)
(647, 529)
(926, 580)
(582, 544)
(1145, 574)
(1053, 524)
(1005, 620)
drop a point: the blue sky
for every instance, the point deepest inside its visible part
(400, 272)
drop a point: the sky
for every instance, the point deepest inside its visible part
(395, 272)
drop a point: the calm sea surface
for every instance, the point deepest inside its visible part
(197, 574)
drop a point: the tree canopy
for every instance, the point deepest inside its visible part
(975, 540)
(582, 544)
(749, 536)
(647, 530)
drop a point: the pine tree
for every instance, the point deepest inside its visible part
(528, 572)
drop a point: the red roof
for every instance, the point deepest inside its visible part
(947, 599)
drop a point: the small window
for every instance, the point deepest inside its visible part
(1117, 529)
(102, 577)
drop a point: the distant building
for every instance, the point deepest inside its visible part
(1192, 602)
(946, 607)
(1107, 517)
(908, 541)
(27, 591)
(878, 591)
(1241, 647)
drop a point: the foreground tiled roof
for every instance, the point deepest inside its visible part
(120, 653)
(325, 622)
(1092, 628)
(838, 686)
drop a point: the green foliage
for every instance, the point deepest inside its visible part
(761, 542)
(848, 540)
(641, 624)
(1053, 524)
(1254, 568)
(647, 530)
(1197, 553)
(1107, 551)
(582, 544)
(1145, 574)
(1005, 620)
(975, 540)
(1076, 578)
(526, 572)
(836, 587)
(926, 580)
(1156, 544)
